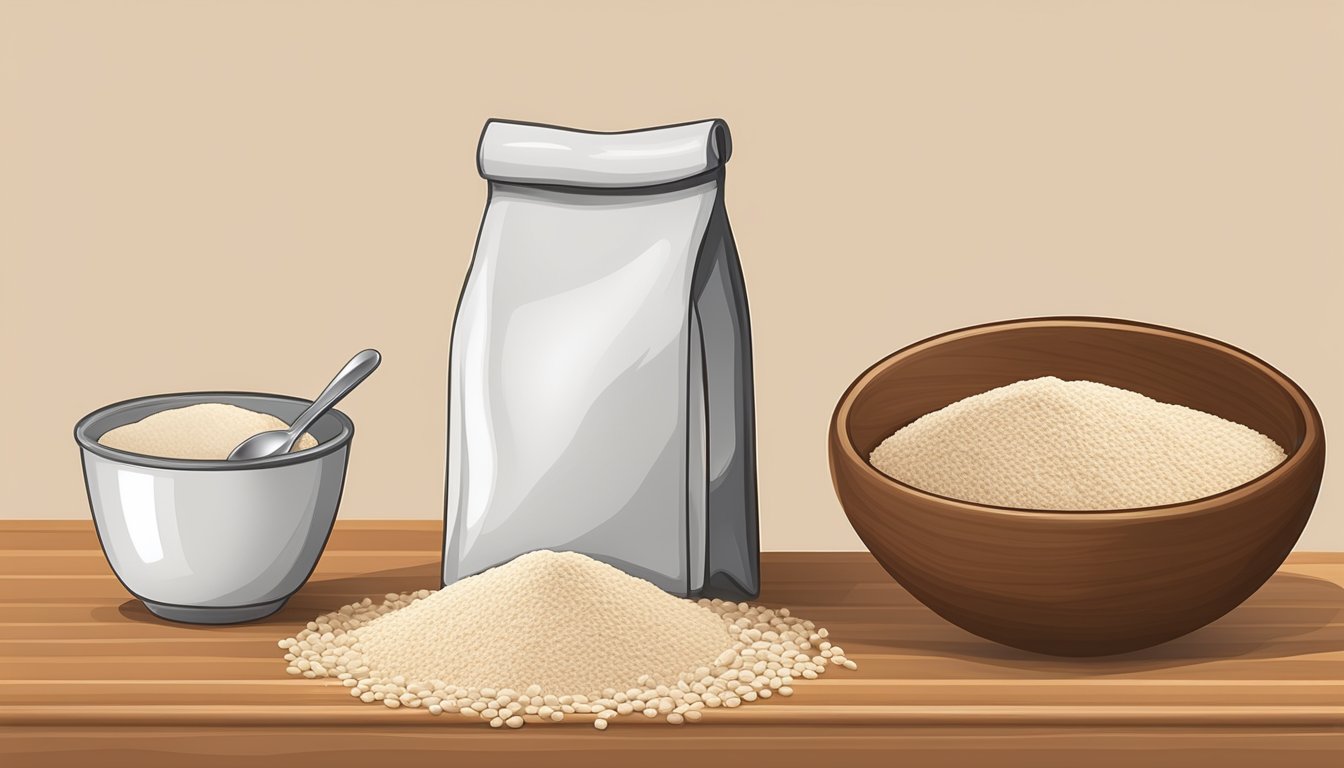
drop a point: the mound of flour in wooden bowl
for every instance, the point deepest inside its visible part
(1073, 445)
(553, 634)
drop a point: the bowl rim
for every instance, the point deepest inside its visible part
(91, 444)
(1313, 433)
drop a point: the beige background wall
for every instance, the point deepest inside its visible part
(900, 169)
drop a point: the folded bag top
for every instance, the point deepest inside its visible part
(526, 153)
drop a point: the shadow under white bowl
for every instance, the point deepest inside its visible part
(213, 542)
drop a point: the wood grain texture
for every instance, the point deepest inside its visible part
(1089, 582)
(88, 677)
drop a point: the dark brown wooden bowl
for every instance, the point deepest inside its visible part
(1078, 583)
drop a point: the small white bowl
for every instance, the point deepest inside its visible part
(213, 542)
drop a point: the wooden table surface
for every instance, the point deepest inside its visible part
(89, 677)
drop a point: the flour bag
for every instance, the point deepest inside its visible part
(600, 384)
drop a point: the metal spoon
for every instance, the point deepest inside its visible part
(281, 441)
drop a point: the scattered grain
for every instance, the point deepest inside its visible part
(573, 634)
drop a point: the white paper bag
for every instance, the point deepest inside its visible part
(600, 395)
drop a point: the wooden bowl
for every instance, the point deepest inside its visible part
(1078, 583)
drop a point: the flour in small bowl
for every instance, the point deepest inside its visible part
(205, 431)
(1051, 444)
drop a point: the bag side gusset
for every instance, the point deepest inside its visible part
(732, 546)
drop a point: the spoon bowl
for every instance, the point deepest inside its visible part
(271, 443)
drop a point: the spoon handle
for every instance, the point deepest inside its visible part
(355, 371)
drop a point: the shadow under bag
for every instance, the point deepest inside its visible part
(600, 386)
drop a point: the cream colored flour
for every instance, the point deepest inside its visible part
(1073, 445)
(554, 634)
(202, 431)
(559, 620)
